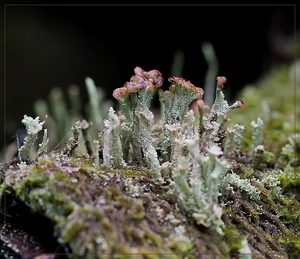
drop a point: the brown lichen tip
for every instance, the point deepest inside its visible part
(241, 103)
(120, 93)
(222, 82)
(135, 86)
(142, 80)
(139, 71)
(153, 78)
(200, 93)
(176, 80)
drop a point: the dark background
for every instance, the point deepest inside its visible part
(48, 46)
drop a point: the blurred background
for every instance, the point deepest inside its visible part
(50, 46)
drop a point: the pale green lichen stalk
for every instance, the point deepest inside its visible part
(112, 148)
(259, 155)
(209, 127)
(220, 106)
(97, 150)
(176, 101)
(237, 139)
(43, 146)
(73, 142)
(33, 127)
(212, 70)
(257, 132)
(233, 141)
(291, 151)
(134, 100)
(207, 173)
(95, 100)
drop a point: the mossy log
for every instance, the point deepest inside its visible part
(66, 205)
(65, 208)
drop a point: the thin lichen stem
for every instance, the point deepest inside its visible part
(85, 133)
(94, 103)
(43, 146)
(213, 67)
(97, 149)
(33, 127)
(73, 142)
(112, 150)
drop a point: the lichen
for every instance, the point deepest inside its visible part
(33, 127)
(184, 186)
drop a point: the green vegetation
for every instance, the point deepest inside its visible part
(207, 182)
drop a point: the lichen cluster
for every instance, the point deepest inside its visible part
(186, 185)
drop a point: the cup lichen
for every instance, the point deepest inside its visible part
(171, 189)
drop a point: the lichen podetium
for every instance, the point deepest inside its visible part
(180, 186)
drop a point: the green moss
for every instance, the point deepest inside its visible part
(290, 178)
